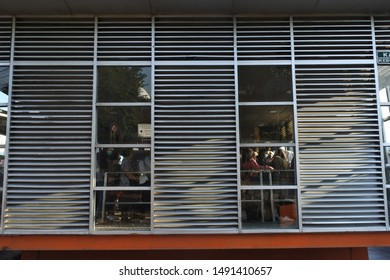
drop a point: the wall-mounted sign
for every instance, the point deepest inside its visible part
(144, 130)
(383, 57)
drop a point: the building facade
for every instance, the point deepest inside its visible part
(154, 128)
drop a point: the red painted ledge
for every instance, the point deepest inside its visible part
(196, 241)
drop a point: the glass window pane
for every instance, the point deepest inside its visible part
(124, 125)
(388, 201)
(261, 124)
(4, 80)
(122, 210)
(387, 164)
(264, 83)
(269, 209)
(385, 113)
(124, 84)
(123, 167)
(268, 166)
(3, 125)
(384, 83)
(1, 202)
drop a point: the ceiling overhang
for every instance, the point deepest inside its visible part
(191, 7)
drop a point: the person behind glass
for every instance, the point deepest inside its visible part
(128, 175)
(269, 156)
(251, 167)
(280, 164)
(115, 134)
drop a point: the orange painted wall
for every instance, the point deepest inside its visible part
(194, 242)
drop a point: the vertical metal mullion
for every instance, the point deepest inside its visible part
(152, 164)
(6, 149)
(92, 194)
(295, 118)
(237, 110)
(379, 118)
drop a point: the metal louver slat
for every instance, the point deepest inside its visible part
(124, 40)
(339, 150)
(195, 158)
(332, 38)
(46, 39)
(263, 39)
(5, 39)
(49, 154)
(382, 32)
(193, 39)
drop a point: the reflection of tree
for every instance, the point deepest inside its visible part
(4, 89)
(4, 74)
(259, 83)
(121, 84)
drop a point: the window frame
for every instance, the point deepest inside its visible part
(385, 143)
(5, 145)
(97, 146)
(292, 144)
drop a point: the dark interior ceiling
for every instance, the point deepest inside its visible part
(191, 7)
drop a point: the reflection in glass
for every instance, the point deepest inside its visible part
(124, 84)
(122, 167)
(269, 209)
(124, 125)
(384, 83)
(122, 210)
(3, 125)
(264, 83)
(385, 113)
(259, 124)
(268, 166)
(4, 80)
(387, 164)
(388, 201)
(1, 201)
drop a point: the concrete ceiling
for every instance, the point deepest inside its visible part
(191, 7)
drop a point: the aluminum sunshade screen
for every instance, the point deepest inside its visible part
(339, 148)
(263, 39)
(194, 39)
(195, 129)
(5, 39)
(124, 39)
(382, 32)
(54, 39)
(50, 150)
(332, 38)
(195, 149)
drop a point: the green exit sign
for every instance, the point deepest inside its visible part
(383, 57)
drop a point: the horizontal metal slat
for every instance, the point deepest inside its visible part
(49, 155)
(340, 165)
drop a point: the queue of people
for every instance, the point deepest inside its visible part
(122, 168)
(267, 166)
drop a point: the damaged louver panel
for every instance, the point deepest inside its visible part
(124, 40)
(193, 39)
(58, 39)
(263, 39)
(5, 39)
(195, 149)
(332, 38)
(339, 148)
(48, 183)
